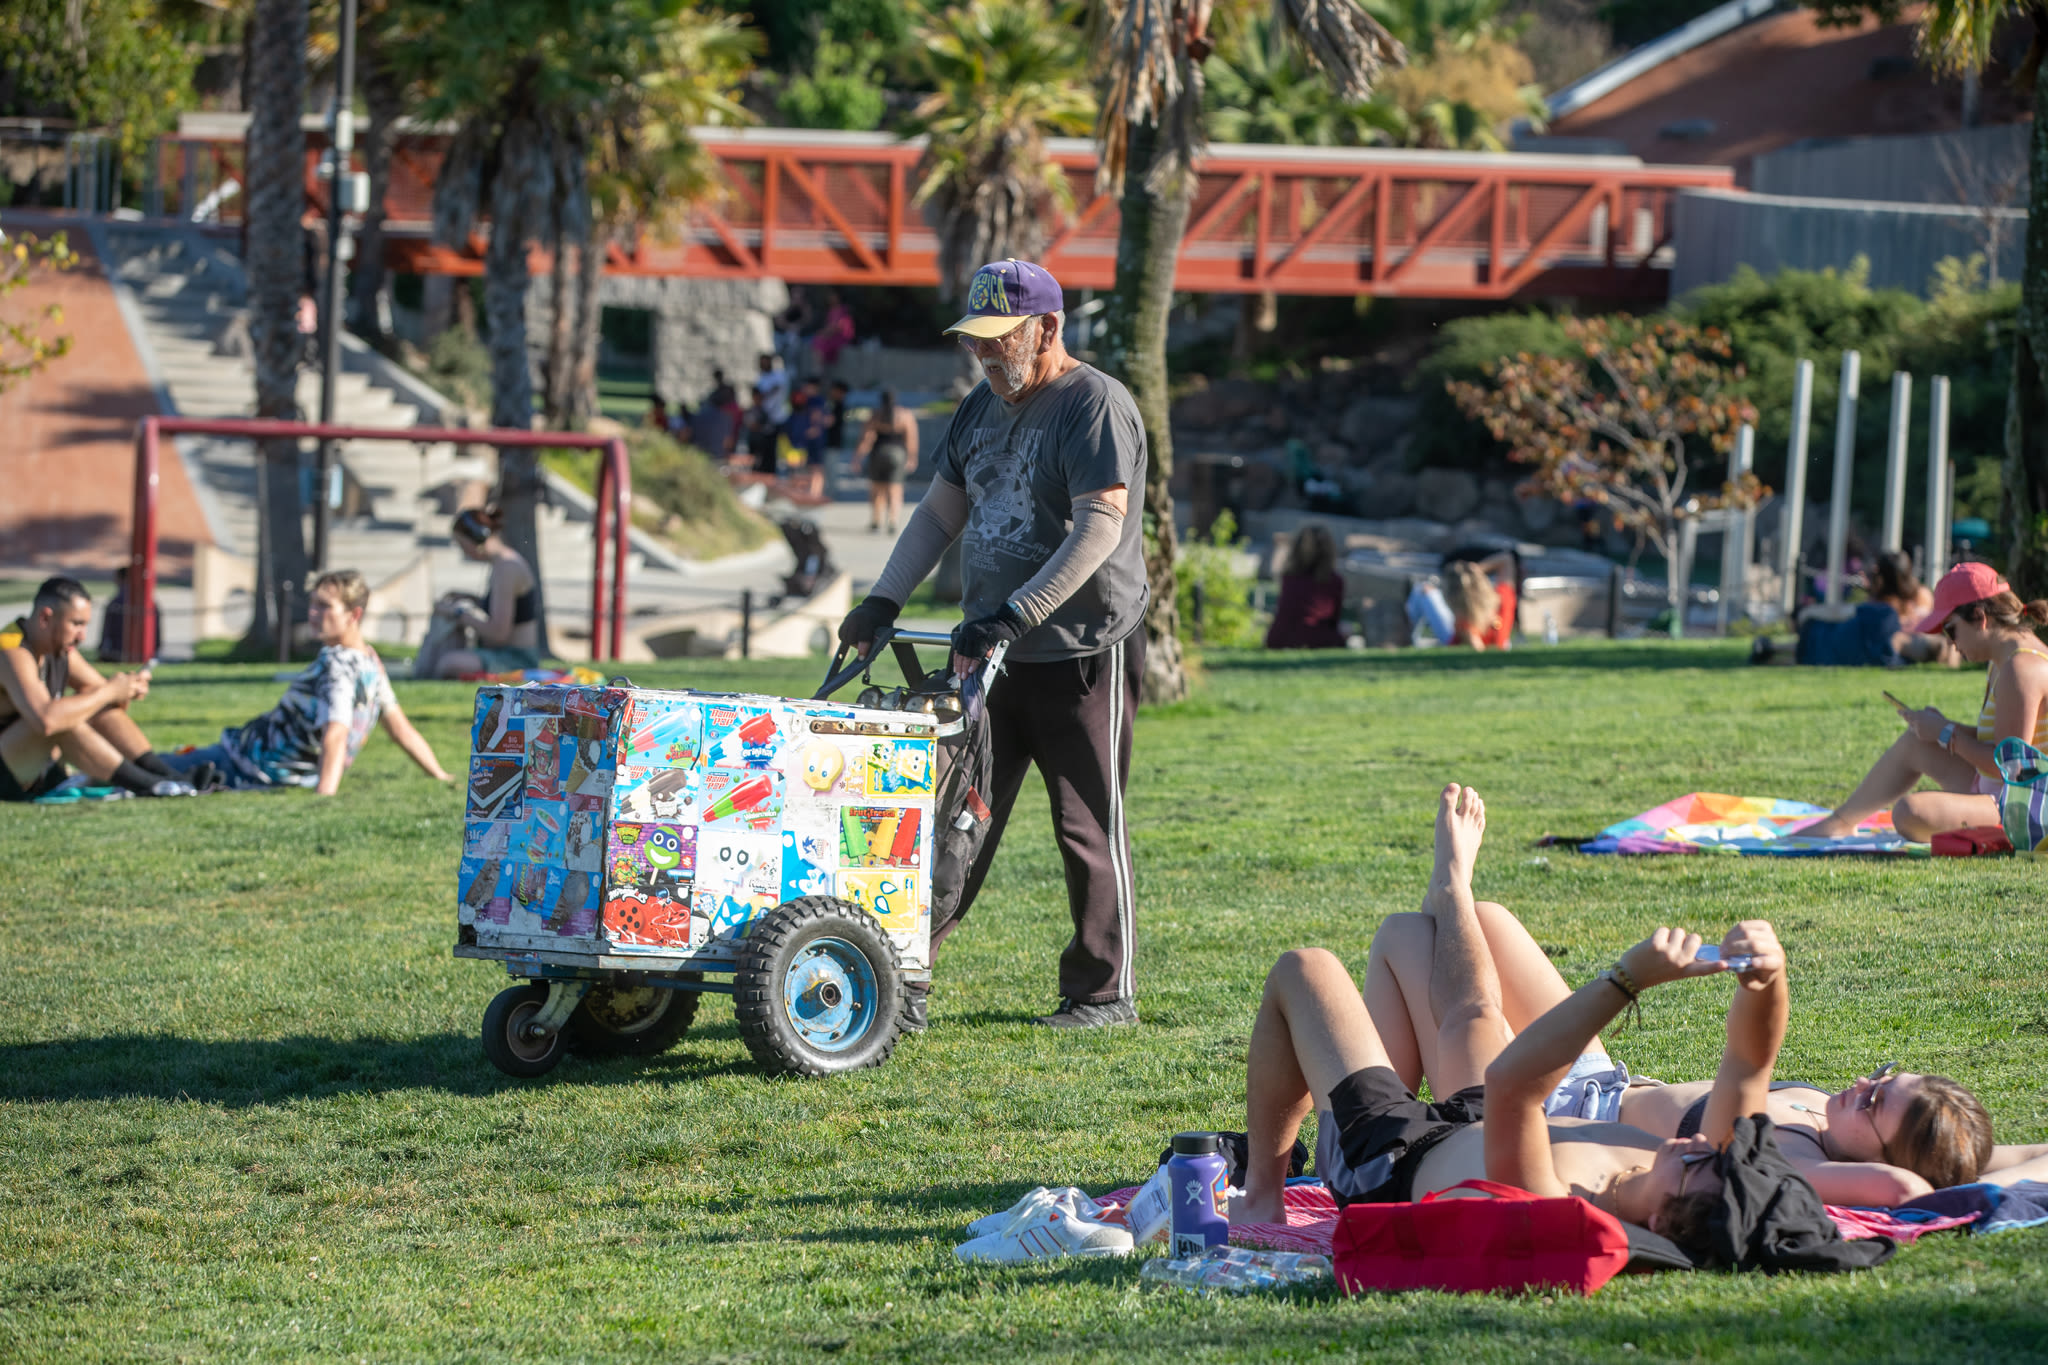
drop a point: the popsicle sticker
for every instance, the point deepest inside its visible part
(664, 734)
(879, 836)
(742, 800)
(748, 744)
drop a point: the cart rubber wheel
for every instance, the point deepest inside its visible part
(617, 1019)
(818, 988)
(505, 1040)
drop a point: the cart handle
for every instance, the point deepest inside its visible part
(843, 671)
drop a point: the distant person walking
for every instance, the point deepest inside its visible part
(889, 445)
(1034, 477)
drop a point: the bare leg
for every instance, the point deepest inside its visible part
(895, 504)
(1464, 988)
(878, 502)
(1312, 1032)
(1398, 974)
(1923, 815)
(457, 662)
(121, 731)
(1895, 773)
(25, 749)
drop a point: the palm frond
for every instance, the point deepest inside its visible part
(1955, 35)
(1341, 40)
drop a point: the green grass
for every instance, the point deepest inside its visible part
(243, 1112)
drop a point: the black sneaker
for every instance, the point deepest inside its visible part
(913, 1017)
(1108, 1014)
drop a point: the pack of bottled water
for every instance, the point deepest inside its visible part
(1239, 1270)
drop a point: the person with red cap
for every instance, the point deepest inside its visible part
(1988, 624)
(1034, 478)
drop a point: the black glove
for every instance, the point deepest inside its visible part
(975, 639)
(860, 625)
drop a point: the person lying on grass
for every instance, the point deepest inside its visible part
(55, 708)
(1988, 624)
(1890, 1137)
(1315, 1043)
(316, 729)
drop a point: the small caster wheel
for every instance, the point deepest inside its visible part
(818, 988)
(618, 1019)
(508, 1033)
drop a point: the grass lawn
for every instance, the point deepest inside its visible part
(243, 1111)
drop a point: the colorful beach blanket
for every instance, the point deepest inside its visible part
(1708, 822)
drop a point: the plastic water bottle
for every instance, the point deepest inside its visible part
(1236, 1270)
(1549, 629)
(1195, 1176)
(1151, 1212)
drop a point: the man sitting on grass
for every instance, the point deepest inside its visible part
(57, 708)
(1725, 1196)
(316, 729)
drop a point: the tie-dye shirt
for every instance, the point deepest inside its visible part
(282, 745)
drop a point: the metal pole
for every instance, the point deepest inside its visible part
(746, 622)
(1845, 457)
(1895, 462)
(1935, 551)
(622, 530)
(1681, 574)
(1793, 524)
(138, 637)
(1735, 531)
(188, 181)
(600, 524)
(343, 144)
(1614, 602)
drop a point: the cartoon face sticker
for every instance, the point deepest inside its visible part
(823, 763)
(664, 850)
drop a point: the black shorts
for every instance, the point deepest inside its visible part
(42, 783)
(1374, 1135)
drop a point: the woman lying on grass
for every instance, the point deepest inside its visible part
(1315, 1043)
(316, 729)
(1890, 1137)
(1987, 623)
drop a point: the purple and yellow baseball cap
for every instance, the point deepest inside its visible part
(1004, 294)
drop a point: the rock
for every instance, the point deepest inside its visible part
(1448, 495)
(1333, 455)
(1221, 404)
(1539, 511)
(1374, 423)
(1389, 495)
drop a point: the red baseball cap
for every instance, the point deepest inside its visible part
(1960, 586)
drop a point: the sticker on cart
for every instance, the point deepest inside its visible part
(721, 914)
(540, 701)
(647, 855)
(496, 730)
(587, 766)
(634, 918)
(880, 836)
(574, 911)
(899, 767)
(534, 889)
(744, 866)
(495, 787)
(486, 838)
(821, 769)
(662, 732)
(583, 716)
(656, 795)
(807, 859)
(478, 882)
(740, 736)
(895, 898)
(543, 760)
(740, 798)
(544, 832)
(583, 845)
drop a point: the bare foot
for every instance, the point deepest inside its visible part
(1460, 826)
(1828, 827)
(1244, 1209)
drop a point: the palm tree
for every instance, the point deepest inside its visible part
(1004, 77)
(1955, 37)
(1149, 133)
(275, 199)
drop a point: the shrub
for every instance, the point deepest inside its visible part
(678, 495)
(1211, 560)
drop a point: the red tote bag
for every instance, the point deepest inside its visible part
(1513, 1241)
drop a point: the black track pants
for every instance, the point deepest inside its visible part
(1073, 719)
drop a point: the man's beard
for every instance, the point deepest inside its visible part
(1012, 368)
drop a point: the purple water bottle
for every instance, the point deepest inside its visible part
(1195, 1176)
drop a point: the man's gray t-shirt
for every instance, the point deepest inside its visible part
(1023, 467)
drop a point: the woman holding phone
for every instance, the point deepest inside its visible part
(1987, 624)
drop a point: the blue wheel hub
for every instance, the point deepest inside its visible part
(830, 994)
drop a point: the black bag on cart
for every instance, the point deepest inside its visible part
(966, 759)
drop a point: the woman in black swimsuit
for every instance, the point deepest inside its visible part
(507, 622)
(890, 445)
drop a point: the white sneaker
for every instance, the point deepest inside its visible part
(1044, 1233)
(1067, 1199)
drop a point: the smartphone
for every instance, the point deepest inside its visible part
(1711, 952)
(1894, 700)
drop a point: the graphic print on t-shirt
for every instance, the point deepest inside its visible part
(1001, 512)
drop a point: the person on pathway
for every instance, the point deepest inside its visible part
(507, 622)
(55, 708)
(1311, 594)
(1036, 472)
(313, 734)
(1987, 624)
(1315, 1044)
(889, 445)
